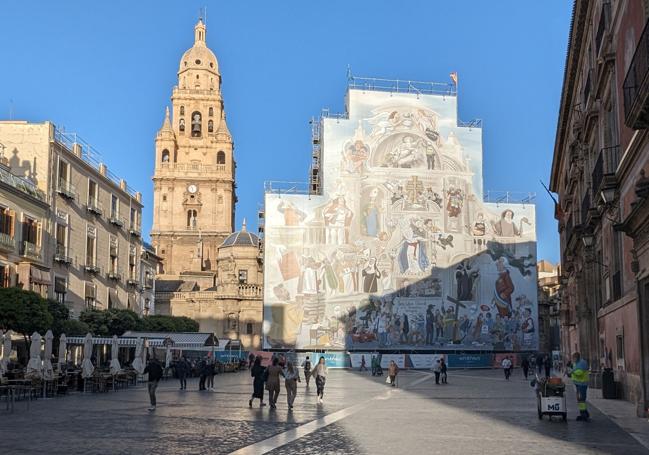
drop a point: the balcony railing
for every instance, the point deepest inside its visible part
(116, 220)
(91, 267)
(21, 184)
(114, 275)
(32, 251)
(182, 168)
(95, 207)
(605, 166)
(135, 229)
(66, 189)
(63, 255)
(636, 85)
(7, 242)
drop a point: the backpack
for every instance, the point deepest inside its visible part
(307, 365)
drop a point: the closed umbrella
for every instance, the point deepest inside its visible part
(138, 364)
(168, 356)
(86, 365)
(48, 371)
(115, 367)
(63, 351)
(35, 364)
(6, 352)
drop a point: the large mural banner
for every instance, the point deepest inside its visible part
(399, 252)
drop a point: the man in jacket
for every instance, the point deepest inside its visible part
(580, 376)
(182, 370)
(154, 369)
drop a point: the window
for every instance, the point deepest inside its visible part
(232, 321)
(93, 193)
(5, 276)
(134, 219)
(249, 328)
(30, 230)
(164, 198)
(132, 264)
(6, 222)
(196, 124)
(619, 349)
(210, 112)
(114, 206)
(61, 239)
(91, 294)
(210, 126)
(182, 108)
(243, 276)
(64, 181)
(91, 246)
(60, 289)
(220, 157)
(113, 254)
(165, 156)
(191, 219)
(181, 125)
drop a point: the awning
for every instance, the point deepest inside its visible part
(38, 276)
(59, 285)
(179, 339)
(113, 302)
(121, 341)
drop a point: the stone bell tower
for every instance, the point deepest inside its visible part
(194, 190)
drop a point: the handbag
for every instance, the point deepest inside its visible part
(387, 379)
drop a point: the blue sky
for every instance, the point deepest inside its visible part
(105, 70)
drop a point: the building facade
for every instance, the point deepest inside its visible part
(93, 234)
(549, 304)
(600, 156)
(208, 272)
(393, 245)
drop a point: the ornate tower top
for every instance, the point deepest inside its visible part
(199, 56)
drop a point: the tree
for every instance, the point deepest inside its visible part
(74, 328)
(96, 320)
(163, 323)
(120, 321)
(60, 315)
(23, 312)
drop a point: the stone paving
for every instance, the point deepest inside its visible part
(477, 412)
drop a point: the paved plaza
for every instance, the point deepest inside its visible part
(477, 412)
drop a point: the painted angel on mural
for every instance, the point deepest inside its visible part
(337, 219)
(354, 157)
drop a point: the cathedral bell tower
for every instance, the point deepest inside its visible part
(194, 190)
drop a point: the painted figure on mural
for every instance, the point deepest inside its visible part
(506, 227)
(455, 201)
(504, 288)
(412, 255)
(465, 278)
(308, 284)
(337, 218)
(328, 277)
(355, 155)
(292, 215)
(479, 226)
(527, 327)
(371, 276)
(372, 214)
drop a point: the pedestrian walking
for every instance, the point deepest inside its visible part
(182, 370)
(539, 363)
(154, 370)
(393, 370)
(525, 364)
(437, 369)
(444, 371)
(307, 370)
(363, 365)
(251, 360)
(320, 374)
(272, 382)
(258, 372)
(202, 371)
(210, 372)
(507, 367)
(580, 376)
(547, 364)
(291, 378)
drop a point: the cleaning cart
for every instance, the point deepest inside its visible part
(551, 399)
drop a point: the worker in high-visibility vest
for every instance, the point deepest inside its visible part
(580, 375)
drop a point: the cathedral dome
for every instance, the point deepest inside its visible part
(199, 56)
(241, 238)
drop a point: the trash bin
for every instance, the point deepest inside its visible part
(609, 388)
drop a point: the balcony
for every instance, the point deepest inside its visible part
(91, 267)
(63, 255)
(636, 85)
(135, 229)
(32, 251)
(148, 283)
(7, 242)
(95, 208)
(114, 275)
(603, 175)
(133, 282)
(116, 221)
(66, 190)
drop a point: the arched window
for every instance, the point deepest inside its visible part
(220, 158)
(210, 126)
(232, 321)
(182, 110)
(165, 156)
(196, 124)
(191, 219)
(210, 112)
(181, 124)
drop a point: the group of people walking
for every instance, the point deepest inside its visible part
(269, 378)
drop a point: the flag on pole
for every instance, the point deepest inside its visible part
(454, 77)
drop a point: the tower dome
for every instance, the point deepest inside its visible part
(199, 56)
(241, 238)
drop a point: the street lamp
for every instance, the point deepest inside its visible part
(608, 195)
(588, 240)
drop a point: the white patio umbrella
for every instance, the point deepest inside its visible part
(138, 364)
(35, 364)
(115, 367)
(6, 352)
(86, 365)
(48, 371)
(168, 356)
(63, 351)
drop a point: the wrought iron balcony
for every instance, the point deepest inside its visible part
(135, 229)
(7, 242)
(636, 85)
(603, 175)
(95, 207)
(91, 267)
(66, 189)
(132, 281)
(114, 275)
(32, 251)
(63, 255)
(116, 220)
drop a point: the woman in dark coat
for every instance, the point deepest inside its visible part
(259, 373)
